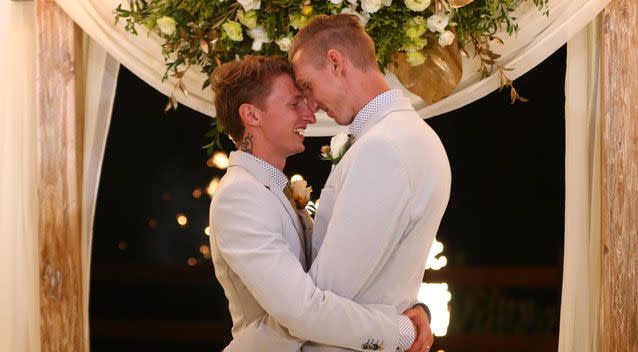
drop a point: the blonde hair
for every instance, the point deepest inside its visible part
(341, 32)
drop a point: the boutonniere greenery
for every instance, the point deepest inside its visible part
(300, 193)
(338, 147)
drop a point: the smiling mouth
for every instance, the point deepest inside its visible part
(300, 131)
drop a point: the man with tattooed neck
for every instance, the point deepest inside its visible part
(260, 240)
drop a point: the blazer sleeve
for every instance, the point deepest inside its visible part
(248, 233)
(369, 217)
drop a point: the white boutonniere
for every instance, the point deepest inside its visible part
(338, 147)
(300, 193)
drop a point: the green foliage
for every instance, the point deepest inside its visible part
(198, 38)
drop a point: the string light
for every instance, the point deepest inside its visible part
(197, 192)
(191, 261)
(152, 223)
(182, 220)
(436, 297)
(212, 186)
(296, 177)
(122, 245)
(219, 160)
(433, 262)
(207, 230)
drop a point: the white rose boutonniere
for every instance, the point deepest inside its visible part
(300, 193)
(339, 144)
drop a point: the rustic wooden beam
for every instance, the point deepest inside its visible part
(619, 153)
(59, 106)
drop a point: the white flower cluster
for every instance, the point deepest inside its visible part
(438, 23)
(415, 28)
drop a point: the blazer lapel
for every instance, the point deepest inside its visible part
(286, 203)
(240, 159)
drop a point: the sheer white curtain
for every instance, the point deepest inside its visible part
(580, 306)
(19, 309)
(19, 264)
(101, 71)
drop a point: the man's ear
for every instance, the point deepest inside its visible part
(250, 114)
(336, 61)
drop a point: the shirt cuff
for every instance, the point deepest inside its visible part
(407, 335)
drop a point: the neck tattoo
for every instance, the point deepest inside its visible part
(247, 144)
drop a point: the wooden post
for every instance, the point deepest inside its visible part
(60, 109)
(619, 112)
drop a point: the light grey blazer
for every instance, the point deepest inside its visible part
(378, 215)
(258, 255)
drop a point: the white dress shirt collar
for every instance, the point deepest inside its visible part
(368, 111)
(280, 179)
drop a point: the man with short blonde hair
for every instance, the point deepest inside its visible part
(343, 32)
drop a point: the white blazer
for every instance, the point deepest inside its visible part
(378, 215)
(258, 256)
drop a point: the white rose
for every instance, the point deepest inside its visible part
(336, 2)
(446, 38)
(166, 25)
(283, 43)
(250, 4)
(417, 5)
(371, 6)
(338, 144)
(260, 36)
(362, 17)
(354, 3)
(387, 3)
(438, 22)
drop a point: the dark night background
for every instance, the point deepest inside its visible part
(153, 286)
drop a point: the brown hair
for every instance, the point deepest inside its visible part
(244, 81)
(342, 32)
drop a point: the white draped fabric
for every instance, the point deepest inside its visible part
(580, 303)
(19, 296)
(539, 37)
(19, 264)
(100, 82)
